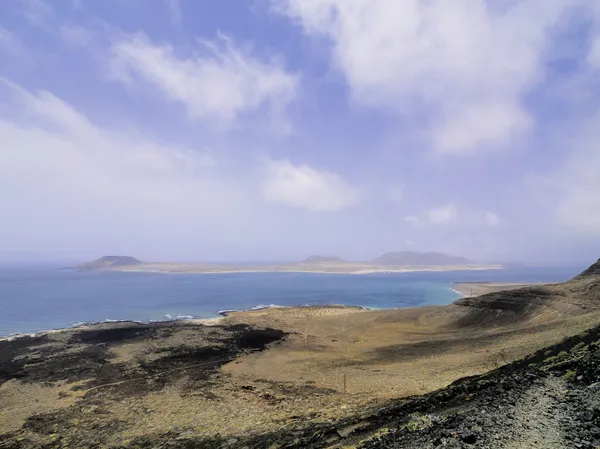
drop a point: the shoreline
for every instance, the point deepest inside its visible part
(460, 288)
(459, 293)
(354, 270)
(463, 289)
(213, 321)
(473, 289)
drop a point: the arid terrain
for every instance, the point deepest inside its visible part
(312, 377)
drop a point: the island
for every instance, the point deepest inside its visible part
(109, 262)
(394, 262)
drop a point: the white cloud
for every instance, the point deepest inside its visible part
(305, 187)
(480, 125)
(414, 221)
(577, 184)
(219, 85)
(491, 218)
(465, 64)
(448, 214)
(68, 181)
(443, 214)
(580, 208)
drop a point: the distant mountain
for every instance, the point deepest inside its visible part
(323, 259)
(109, 262)
(411, 258)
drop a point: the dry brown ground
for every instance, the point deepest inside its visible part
(335, 361)
(392, 353)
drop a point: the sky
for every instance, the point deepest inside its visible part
(257, 130)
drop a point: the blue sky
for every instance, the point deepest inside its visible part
(271, 130)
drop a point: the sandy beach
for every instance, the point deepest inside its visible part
(345, 268)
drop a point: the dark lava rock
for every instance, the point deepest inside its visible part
(469, 438)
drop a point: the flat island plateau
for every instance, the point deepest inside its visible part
(403, 261)
(515, 367)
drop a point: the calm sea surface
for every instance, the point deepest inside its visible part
(35, 299)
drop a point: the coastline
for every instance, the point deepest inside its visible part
(349, 268)
(324, 309)
(107, 323)
(472, 289)
(463, 289)
(302, 366)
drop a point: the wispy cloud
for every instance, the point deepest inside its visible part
(305, 187)
(221, 84)
(11, 47)
(575, 184)
(414, 221)
(97, 185)
(37, 12)
(463, 66)
(491, 218)
(449, 215)
(78, 36)
(443, 215)
(107, 140)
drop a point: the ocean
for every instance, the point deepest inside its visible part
(34, 299)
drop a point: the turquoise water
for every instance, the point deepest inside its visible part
(35, 299)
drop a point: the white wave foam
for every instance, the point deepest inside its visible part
(226, 311)
(267, 306)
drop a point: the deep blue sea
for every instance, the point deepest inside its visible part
(42, 298)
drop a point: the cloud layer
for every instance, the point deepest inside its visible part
(176, 130)
(464, 65)
(220, 84)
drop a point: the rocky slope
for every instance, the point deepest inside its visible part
(592, 271)
(549, 400)
(535, 303)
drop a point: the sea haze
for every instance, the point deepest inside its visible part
(41, 298)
